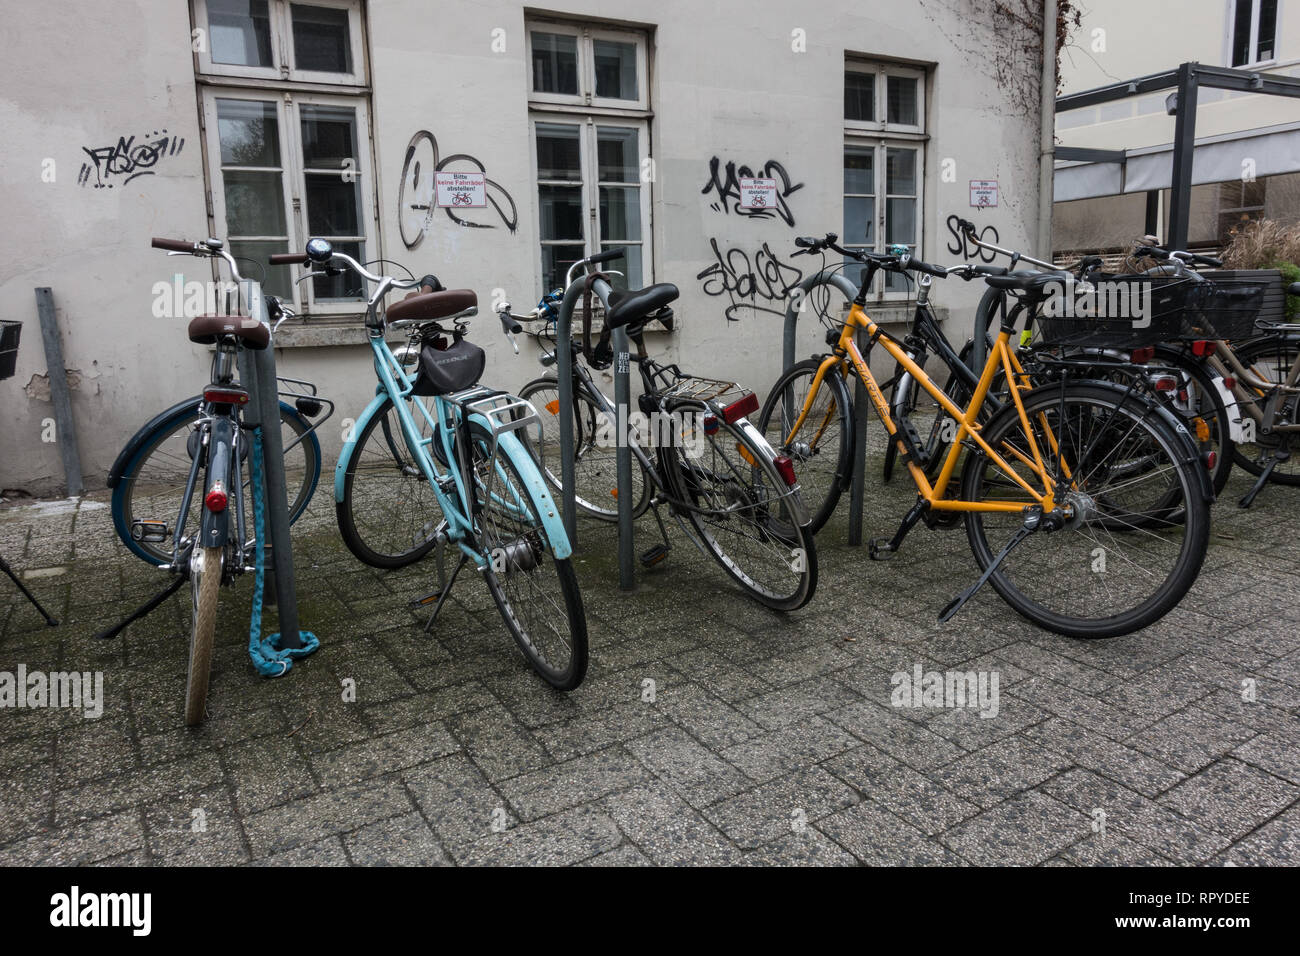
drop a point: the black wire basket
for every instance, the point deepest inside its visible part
(9, 331)
(1130, 311)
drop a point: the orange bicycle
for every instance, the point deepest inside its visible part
(1086, 505)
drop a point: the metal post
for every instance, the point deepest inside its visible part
(861, 401)
(623, 458)
(1180, 191)
(564, 371)
(280, 550)
(59, 396)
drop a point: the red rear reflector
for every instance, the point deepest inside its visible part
(1229, 382)
(786, 467)
(1143, 355)
(1165, 383)
(225, 396)
(1204, 347)
(1211, 458)
(710, 424)
(739, 409)
(216, 500)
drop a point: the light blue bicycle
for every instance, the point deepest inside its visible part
(436, 460)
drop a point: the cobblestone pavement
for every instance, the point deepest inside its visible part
(708, 731)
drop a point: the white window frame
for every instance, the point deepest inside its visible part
(1252, 47)
(294, 178)
(880, 145)
(590, 169)
(882, 71)
(585, 38)
(282, 50)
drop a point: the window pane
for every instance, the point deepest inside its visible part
(561, 212)
(1241, 33)
(240, 32)
(347, 285)
(329, 137)
(333, 206)
(249, 133)
(629, 265)
(620, 212)
(279, 279)
(555, 263)
(860, 170)
(901, 93)
(1267, 30)
(859, 221)
(615, 69)
(860, 97)
(558, 155)
(900, 221)
(555, 63)
(254, 204)
(900, 172)
(322, 40)
(616, 154)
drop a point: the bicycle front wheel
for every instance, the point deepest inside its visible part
(595, 470)
(1270, 359)
(744, 513)
(821, 445)
(1139, 523)
(536, 592)
(389, 516)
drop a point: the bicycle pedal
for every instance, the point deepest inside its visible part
(880, 549)
(652, 556)
(152, 532)
(424, 601)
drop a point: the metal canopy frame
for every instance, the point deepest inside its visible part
(1187, 79)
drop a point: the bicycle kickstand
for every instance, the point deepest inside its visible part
(1279, 455)
(1033, 521)
(878, 549)
(445, 585)
(656, 553)
(145, 608)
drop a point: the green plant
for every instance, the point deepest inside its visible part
(1290, 273)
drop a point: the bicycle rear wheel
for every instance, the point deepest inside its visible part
(1117, 565)
(1270, 359)
(205, 583)
(744, 513)
(821, 448)
(536, 593)
(389, 515)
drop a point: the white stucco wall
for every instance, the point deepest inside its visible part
(725, 82)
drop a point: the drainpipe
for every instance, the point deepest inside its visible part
(1047, 132)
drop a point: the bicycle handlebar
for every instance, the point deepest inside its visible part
(204, 248)
(288, 258)
(609, 255)
(173, 245)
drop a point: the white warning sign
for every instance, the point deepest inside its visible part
(983, 193)
(460, 190)
(757, 193)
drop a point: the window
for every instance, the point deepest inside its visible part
(1252, 31)
(317, 42)
(591, 143)
(287, 162)
(884, 155)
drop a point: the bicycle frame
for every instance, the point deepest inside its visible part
(1000, 357)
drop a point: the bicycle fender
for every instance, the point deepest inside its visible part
(1236, 430)
(350, 446)
(547, 507)
(214, 526)
(801, 516)
(140, 438)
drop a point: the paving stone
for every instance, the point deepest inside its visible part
(400, 841)
(335, 811)
(1000, 771)
(809, 847)
(78, 844)
(266, 772)
(789, 749)
(1025, 830)
(381, 755)
(195, 829)
(878, 838)
(1092, 751)
(623, 855)
(921, 801)
(327, 852)
(565, 838)
(498, 743)
(1231, 797)
(892, 730)
(770, 810)
(1190, 739)
(459, 802)
(695, 773)
(564, 785)
(1276, 843)
(667, 829)
(709, 719)
(1275, 752)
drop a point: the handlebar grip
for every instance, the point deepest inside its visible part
(805, 242)
(430, 283)
(920, 266)
(608, 255)
(288, 258)
(172, 245)
(1150, 252)
(1210, 261)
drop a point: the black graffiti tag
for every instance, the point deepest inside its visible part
(960, 244)
(415, 205)
(726, 183)
(126, 160)
(755, 284)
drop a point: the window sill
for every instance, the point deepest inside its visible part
(326, 331)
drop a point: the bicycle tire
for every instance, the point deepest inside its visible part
(204, 598)
(124, 505)
(716, 485)
(596, 483)
(405, 498)
(822, 484)
(1141, 429)
(1270, 358)
(512, 538)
